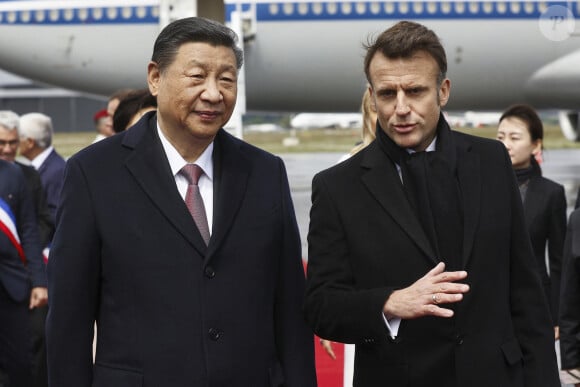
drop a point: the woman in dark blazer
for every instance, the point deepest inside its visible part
(521, 131)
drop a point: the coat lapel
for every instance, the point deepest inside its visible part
(150, 168)
(470, 182)
(383, 182)
(231, 173)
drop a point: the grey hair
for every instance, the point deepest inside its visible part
(38, 127)
(9, 120)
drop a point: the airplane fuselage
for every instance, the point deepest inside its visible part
(301, 55)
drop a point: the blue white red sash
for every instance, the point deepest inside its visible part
(8, 227)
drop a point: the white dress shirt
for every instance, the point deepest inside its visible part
(41, 157)
(205, 183)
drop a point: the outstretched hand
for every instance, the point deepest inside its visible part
(424, 297)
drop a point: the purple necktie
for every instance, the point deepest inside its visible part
(193, 199)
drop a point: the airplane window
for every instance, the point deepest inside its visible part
(274, 9)
(403, 8)
(488, 7)
(141, 12)
(39, 16)
(25, 16)
(529, 7)
(155, 12)
(432, 7)
(361, 8)
(501, 7)
(288, 8)
(375, 8)
(331, 8)
(1, 17)
(54, 15)
(317, 8)
(112, 13)
(389, 8)
(303, 8)
(446, 7)
(542, 7)
(127, 12)
(418, 8)
(97, 13)
(473, 7)
(83, 14)
(346, 8)
(459, 7)
(515, 7)
(69, 14)
(11, 17)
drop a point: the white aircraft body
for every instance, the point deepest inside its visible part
(306, 56)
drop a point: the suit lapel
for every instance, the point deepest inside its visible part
(231, 172)
(470, 183)
(383, 182)
(150, 168)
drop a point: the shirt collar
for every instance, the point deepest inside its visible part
(430, 148)
(176, 161)
(41, 157)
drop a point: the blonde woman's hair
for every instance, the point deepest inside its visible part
(369, 115)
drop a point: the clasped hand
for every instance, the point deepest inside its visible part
(427, 294)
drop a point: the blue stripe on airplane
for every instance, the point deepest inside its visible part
(85, 16)
(295, 11)
(356, 10)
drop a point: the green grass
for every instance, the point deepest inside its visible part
(315, 140)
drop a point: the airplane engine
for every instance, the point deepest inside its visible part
(570, 124)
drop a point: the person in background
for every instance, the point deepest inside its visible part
(418, 250)
(10, 137)
(131, 108)
(183, 240)
(22, 272)
(103, 124)
(36, 134)
(521, 131)
(368, 130)
(115, 99)
(570, 303)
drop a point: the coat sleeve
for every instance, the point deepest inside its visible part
(73, 284)
(30, 239)
(295, 341)
(570, 296)
(556, 233)
(530, 313)
(334, 307)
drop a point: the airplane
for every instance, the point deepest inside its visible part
(306, 56)
(326, 120)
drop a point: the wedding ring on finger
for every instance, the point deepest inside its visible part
(435, 299)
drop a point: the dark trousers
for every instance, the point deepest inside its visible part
(39, 365)
(15, 353)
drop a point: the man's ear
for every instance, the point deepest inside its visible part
(153, 76)
(444, 91)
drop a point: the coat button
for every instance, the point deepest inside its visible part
(209, 272)
(459, 339)
(214, 334)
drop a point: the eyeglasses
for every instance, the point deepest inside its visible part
(11, 143)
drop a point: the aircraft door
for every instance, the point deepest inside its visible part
(170, 10)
